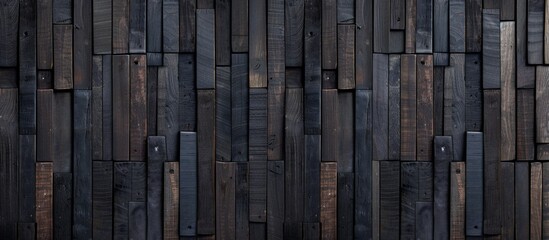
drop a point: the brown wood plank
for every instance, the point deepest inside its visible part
(328, 200)
(457, 200)
(408, 96)
(171, 200)
(536, 199)
(425, 108)
(62, 61)
(121, 107)
(346, 57)
(508, 92)
(44, 200)
(542, 104)
(526, 147)
(225, 199)
(138, 107)
(258, 44)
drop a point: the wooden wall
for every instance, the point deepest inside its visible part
(274, 119)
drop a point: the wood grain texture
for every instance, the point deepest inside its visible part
(187, 92)
(275, 119)
(536, 199)
(474, 184)
(345, 157)
(62, 140)
(389, 199)
(535, 19)
(443, 155)
(187, 25)
(62, 11)
(44, 200)
(411, 24)
(345, 206)
(223, 117)
(408, 97)
(138, 32)
(225, 196)
(120, 26)
(44, 126)
(239, 107)
(97, 108)
(27, 69)
(168, 110)
(457, 200)
(508, 199)
(62, 50)
(102, 198)
(275, 199)
(257, 150)
(527, 73)
(440, 26)
(242, 196)
(438, 99)
(82, 45)
(122, 184)
(491, 63)
(107, 108)
(380, 109)
(473, 25)
(330, 125)
(328, 200)
(293, 27)
(492, 210)
(102, 27)
(138, 107)
(206, 156)
(425, 106)
(257, 44)
(382, 25)
(222, 30)
(409, 192)
(62, 195)
(363, 164)
(508, 92)
(205, 49)
(424, 26)
(363, 45)
(454, 103)
(171, 200)
(473, 92)
(138, 220)
(9, 36)
(424, 220)
(170, 26)
(346, 57)
(329, 34)
(542, 99)
(522, 200)
(526, 124)
(312, 74)
(545, 199)
(457, 25)
(394, 106)
(156, 149)
(154, 31)
(239, 25)
(121, 107)
(188, 183)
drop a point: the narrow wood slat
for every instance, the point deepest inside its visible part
(44, 39)
(329, 34)
(345, 206)
(188, 183)
(63, 52)
(187, 92)
(257, 150)
(425, 107)
(363, 45)
(62, 11)
(474, 186)
(380, 110)
(398, 14)
(242, 198)
(526, 146)
(394, 106)
(275, 116)
(168, 109)
(121, 107)
(389, 199)
(542, 104)
(409, 191)
(425, 181)
(527, 73)
(443, 155)
(102, 199)
(9, 37)
(424, 28)
(187, 25)
(440, 26)
(410, 30)
(27, 69)
(522, 200)
(102, 27)
(206, 157)
(438, 99)
(545, 199)
(536, 199)
(121, 26)
(156, 149)
(205, 49)
(138, 107)
(293, 27)
(345, 157)
(107, 108)
(508, 200)
(275, 37)
(44, 200)
(312, 73)
(223, 117)
(508, 92)
(239, 25)
(62, 135)
(382, 25)
(492, 206)
(408, 107)
(457, 200)
(138, 31)
(375, 200)
(345, 12)
(275, 199)
(171, 200)
(62, 205)
(473, 93)
(330, 125)
(122, 184)
(491, 63)
(152, 99)
(457, 25)
(170, 26)
(424, 220)
(534, 33)
(139, 182)
(328, 200)
(346, 57)
(455, 103)
(97, 108)
(154, 31)
(138, 220)
(44, 125)
(473, 25)
(225, 198)
(258, 43)
(239, 107)
(82, 45)
(222, 30)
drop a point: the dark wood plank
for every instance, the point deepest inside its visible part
(258, 43)
(82, 45)
(205, 49)
(438, 99)
(328, 200)
(542, 101)
(473, 93)
(187, 25)
(389, 199)
(139, 182)
(508, 200)
(527, 73)
(310, 230)
(171, 200)
(425, 181)
(535, 25)
(170, 26)
(206, 157)
(275, 199)
(312, 73)
(443, 155)
(275, 37)
(122, 183)
(293, 27)
(376, 217)
(27, 69)
(62, 205)
(294, 162)
(440, 27)
(363, 164)
(275, 111)
(394, 107)
(102, 199)
(138, 108)
(44, 41)
(225, 199)
(425, 117)
(223, 117)
(258, 155)
(62, 49)
(330, 125)
(188, 183)
(154, 21)
(152, 99)
(27, 178)
(542, 151)
(44, 200)
(474, 180)
(364, 44)
(155, 168)
(239, 25)
(345, 157)
(242, 200)
(410, 30)
(44, 125)
(491, 50)
(329, 34)
(398, 14)
(8, 78)
(454, 103)
(222, 31)
(381, 105)
(107, 108)
(345, 206)
(345, 12)
(138, 26)
(409, 191)
(456, 14)
(346, 57)
(545, 199)
(138, 220)
(424, 220)
(26, 231)
(120, 26)
(121, 107)
(492, 206)
(9, 37)
(408, 97)
(441, 59)
(473, 25)
(508, 92)
(239, 107)
(62, 135)
(187, 93)
(424, 28)
(526, 147)
(522, 200)
(457, 200)
(294, 77)
(203, 4)
(97, 108)
(82, 169)
(168, 104)
(62, 11)
(44, 78)
(536, 193)
(102, 27)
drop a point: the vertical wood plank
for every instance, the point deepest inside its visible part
(491, 63)
(443, 155)
(545, 199)
(474, 186)
(424, 220)
(473, 93)
(206, 157)
(122, 184)
(62, 11)
(225, 199)
(138, 31)
(168, 116)
(97, 108)
(275, 199)
(345, 206)
(312, 73)
(188, 183)
(527, 73)
(44, 40)
(138, 107)
(411, 23)
(328, 200)
(138, 220)
(171, 200)
(102, 199)
(346, 57)
(275, 38)
(345, 12)
(62, 49)
(522, 200)
(152, 99)
(170, 26)
(121, 107)
(536, 198)
(223, 115)
(398, 14)
(222, 31)
(9, 35)
(535, 31)
(542, 101)
(424, 28)
(205, 49)
(62, 135)
(258, 43)
(473, 25)
(239, 25)
(257, 150)
(44, 125)
(44, 200)
(156, 146)
(242, 199)
(408, 97)
(330, 125)
(27, 69)
(82, 44)
(457, 25)
(454, 103)
(363, 44)
(382, 25)
(375, 200)
(187, 26)
(440, 26)
(329, 34)
(526, 146)
(345, 157)
(187, 92)
(380, 109)
(239, 107)
(438, 99)
(425, 117)
(102, 28)
(409, 191)
(389, 199)
(62, 205)
(492, 207)
(508, 200)
(154, 21)
(293, 26)
(107, 108)
(457, 200)
(508, 92)
(121, 26)
(394, 106)
(275, 121)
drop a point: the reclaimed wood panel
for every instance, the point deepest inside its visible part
(522, 200)
(275, 198)
(491, 53)
(473, 25)
(171, 200)
(363, 164)
(170, 26)
(225, 196)
(346, 57)
(345, 155)
(443, 155)
(44, 200)
(380, 110)
(187, 25)
(535, 23)
(329, 34)
(526, 129)
(206, 156)
(508, 92)
(62, 60)
(440, 26)
(239, 107)
(536, 199)
(120, 26)
(9, 34)
(457, 200)
(527, 73)
(328, 200)
(473, 92)
(62, 205)
(542, 99)
(121, 107)
(258, 44)
(408, 107)
(424, 26)
(508, 199)
(474, 184)
(425, 108)
(156, 150)
(389, 199)
(205, 49)
(293, 27)
(394, 106)
(188, 183)
(239, 25)
(62, 135)
(456, 15)
(492, 210)
(102, 198)
(138, 108)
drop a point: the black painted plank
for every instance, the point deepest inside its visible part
(455, 104)
(345, 157)
(275, 121)
(170, 26)
(206, 157)
(239, 25)
(329, 34)
(473, 93)
(389, 199)
(44, 125)
(107, 108)
(26, 231)
(425, 181)
(242, 199)
(424, 26)
(82, 169)
(522, 200)
(258, 154)
(62, 140)
(474, 188)
(440, 27)
(275, 199)
(293, 27)
(27, 178)
(258, 43)
(424, 220)
(155, 168)
(330, 124)
(138, 107)
(9, 37)
(508, 200)
(138, 26)
(8, 78)
(121, 26)
(152, 99)
(239, 107)
(409, 191)
(381, 104)
(62, 11)
(457, 25)
(526, 129)
(443, 155)
(63, 57)
(205, 49)
(275, 37)
(82, 45)
(490, 49)
(363, 165)
(27, 67)
(438, 99)
(138, 220)
(310, 230)
(187, 93)
(492, 206)
(312, 72)
(223, 116)
(294, 77)
(62, 205)
(139, 182)
(154, 23)
(44, 43)
(102, 188)
(97, 108)
(345, 206)
(121, 107)
(311, 186)
(527, 73)
(363, 44)
(44, 80)
(168, 112)
(188, 183)
(222, 30)
(346, 57)
(205, 4)
(187, 25)
(122, 183)
(102, 26)
(394, 107)
(535, 36)
(225, 199)
(473, 25)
